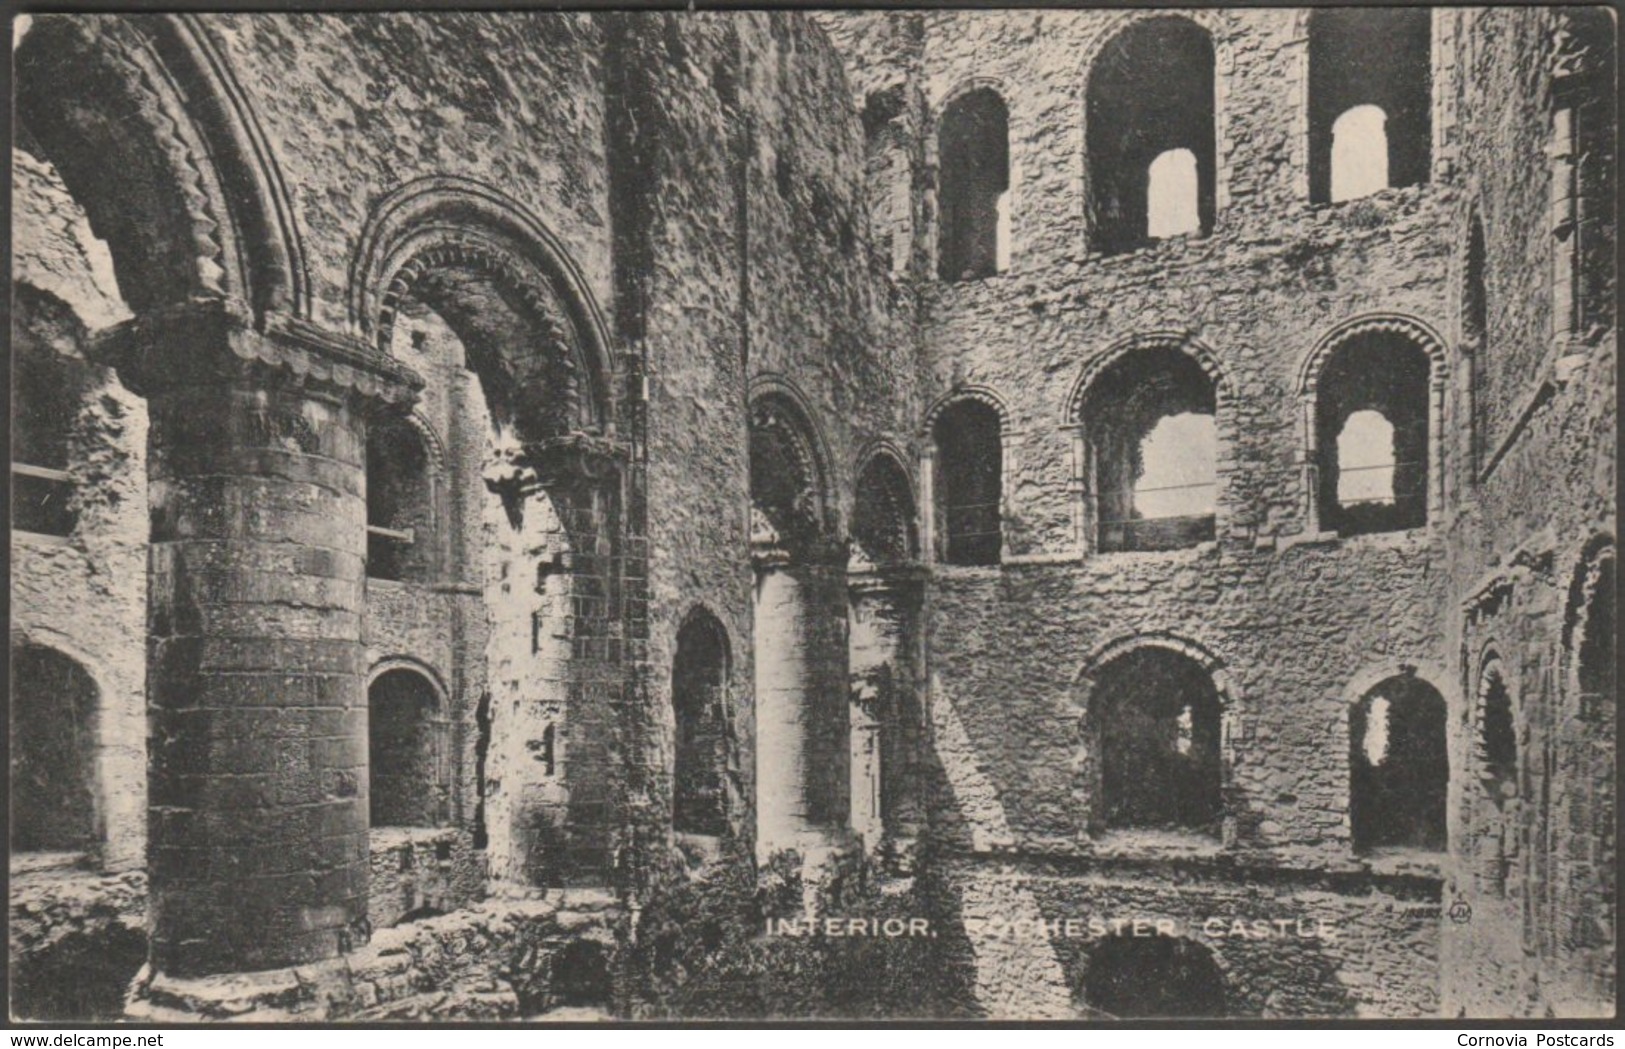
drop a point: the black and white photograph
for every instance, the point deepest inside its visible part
(616, 517)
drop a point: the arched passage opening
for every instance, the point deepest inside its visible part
(405, 751)
(54, 709)
(459, 281)
(705, 752)
(1150, 134)
(1154, 977)
(1153, 733)
(1398, 766)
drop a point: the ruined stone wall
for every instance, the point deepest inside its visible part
(1275, 277)
(753, 263)
(1534, 526)
(84, 595)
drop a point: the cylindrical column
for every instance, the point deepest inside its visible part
(257, 763)
(783, 809)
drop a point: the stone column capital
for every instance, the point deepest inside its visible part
(211, 341)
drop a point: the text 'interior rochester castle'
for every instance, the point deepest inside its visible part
(1043, 515)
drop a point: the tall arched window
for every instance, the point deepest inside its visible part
(973, 148)
(969, 465)
(1151, 449)
(1373, 444)
(699, 679)
(1150, 135)
(1154, 722)
(1370, 119)
(1398, 766)
(54, 707)
(403, 752)
(400, 503)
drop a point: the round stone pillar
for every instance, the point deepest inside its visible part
(803, 751)
(257, 758)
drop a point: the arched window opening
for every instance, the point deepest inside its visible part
(54, 707)
(969, 466)
(1152, 449)
(1475, 343)
(699, 679)
(45, 392)
(1370, 83)
(1399, 768)
(1152, 977)
(400, 503)
(1150, 135)
(1155, 718)
(1359, 153)
(403, 756)
(1373, 441)
(883, 528)
(974, 151)
(1173, 195)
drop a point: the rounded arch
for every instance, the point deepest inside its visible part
(982, 394)
(417, 666)
(1155, 711)
(785, 435)
(1372, 675)
(1183, 341)
(1114, 24)
(1417, 477)
(884, 507)
(1111, 651)
(505, 256)
(148, 128)
(1149, 84)
(702, 624)
(1417, 331)
(968, 86)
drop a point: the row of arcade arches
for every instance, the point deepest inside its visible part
(1150, 133)
(1150, 418)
